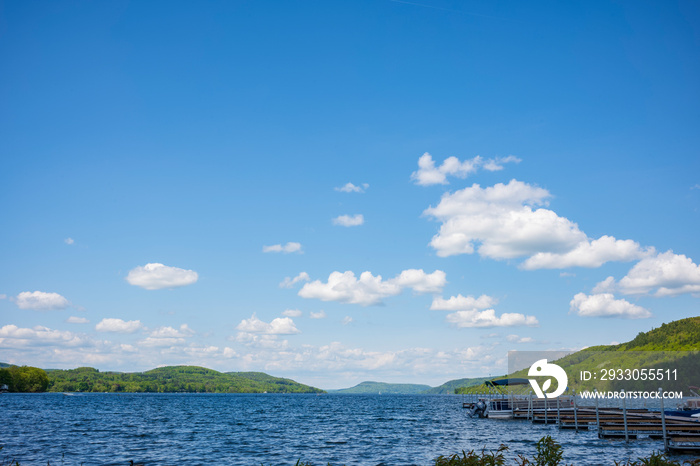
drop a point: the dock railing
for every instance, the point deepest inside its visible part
(609, 421)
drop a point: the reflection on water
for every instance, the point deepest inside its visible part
(271, 429)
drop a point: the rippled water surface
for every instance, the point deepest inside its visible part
(194, 429)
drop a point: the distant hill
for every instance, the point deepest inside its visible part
(172, 379)
(376, 388)
(449, 388)
(672, 347)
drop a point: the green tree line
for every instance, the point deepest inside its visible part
(25, 379)
(174, 379)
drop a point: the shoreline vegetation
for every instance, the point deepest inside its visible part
(549, 453)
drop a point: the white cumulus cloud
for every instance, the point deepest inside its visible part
(349, 220)
(291, 313)
(170, 332)
(12, 337)
(118, 325)
(462, 303)
(519, 339)
(285, 248)
(262, 342)
(606, 286)
(488, 318)
(502, 222)
(278, 326)
(428, 174)
(369, 289)
(496, 164)
(665, 274)
(509, 221)
(158, 276)
(289, 282)
(420, 281)
(40, 300)
(77, 320)
(351, 188)
(318, 315)
(69, 241)
(589, 254)
(605, 305)
(168, 336)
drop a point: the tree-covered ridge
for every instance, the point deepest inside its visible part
(673, 349)
(187, 379)
(373, 388)
(453, 385)
(679, 335)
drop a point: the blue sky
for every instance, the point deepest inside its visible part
(344, 191)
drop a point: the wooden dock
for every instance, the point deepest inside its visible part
(679, 433)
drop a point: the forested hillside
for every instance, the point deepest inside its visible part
(188, 379)
(672, 351)
(453, 385)
(381, 388)
(679, 335)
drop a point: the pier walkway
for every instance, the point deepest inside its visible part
(679, 433)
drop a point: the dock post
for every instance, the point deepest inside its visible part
(558, 412)
(663, 421)
(624, 415)
(530, 409)
(512, 403)
(546, 417)
(597, 417)
(575, 412)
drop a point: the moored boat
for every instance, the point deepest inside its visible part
(689, 408)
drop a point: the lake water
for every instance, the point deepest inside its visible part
(270, 429)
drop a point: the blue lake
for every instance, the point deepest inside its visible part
(194, 429)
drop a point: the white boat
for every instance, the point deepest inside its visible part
(503, 405)
(501, 408)
(497, 408)
(689, 408)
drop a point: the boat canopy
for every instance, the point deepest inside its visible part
(502, 382)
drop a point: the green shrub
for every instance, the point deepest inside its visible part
(472, 459)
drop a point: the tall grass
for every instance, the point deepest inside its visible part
(549, 453)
